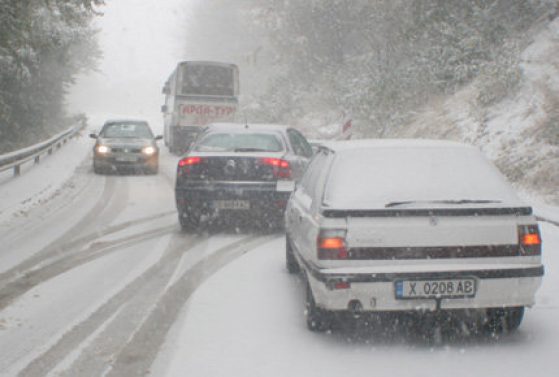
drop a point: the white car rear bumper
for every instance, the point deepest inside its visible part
(377, 292)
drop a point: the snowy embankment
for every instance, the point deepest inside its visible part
(521, 132)
(37, 184)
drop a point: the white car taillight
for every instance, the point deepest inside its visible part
(529, 239)
(331, 244)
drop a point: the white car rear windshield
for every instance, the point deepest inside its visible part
(372, 178)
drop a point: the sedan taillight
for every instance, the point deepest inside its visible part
(280, 168)
(189, 161)
(186, 164)
(529, 239)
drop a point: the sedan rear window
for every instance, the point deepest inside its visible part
(374, 178)
(239, 142)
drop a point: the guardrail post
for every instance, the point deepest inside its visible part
(49, 151)
(37, 159)
(16, 170)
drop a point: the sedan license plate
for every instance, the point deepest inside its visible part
(439, 288)
(232, 204)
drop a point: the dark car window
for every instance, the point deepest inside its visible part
(207, 80)
(127, 130)
(240, 142)
(299, 143)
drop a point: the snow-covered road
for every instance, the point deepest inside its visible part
(94, 269)
(96, 279)
(248, 320)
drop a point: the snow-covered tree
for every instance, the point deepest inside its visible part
(378, 59)
(43, 45)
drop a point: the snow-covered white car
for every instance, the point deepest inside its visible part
(411, 225)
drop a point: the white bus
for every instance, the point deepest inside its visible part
(198, 93)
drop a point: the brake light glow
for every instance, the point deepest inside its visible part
(529, 239)
(189, 161)
(187, 164)
(280, 168)
(331, 244)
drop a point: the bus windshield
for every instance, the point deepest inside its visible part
(207, 80)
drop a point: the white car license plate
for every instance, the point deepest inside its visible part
(439, 288)
(232, 204)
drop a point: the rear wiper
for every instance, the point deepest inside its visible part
(461, 201)
(250, 150)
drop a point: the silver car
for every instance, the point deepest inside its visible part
(125, 144)
(393, 226)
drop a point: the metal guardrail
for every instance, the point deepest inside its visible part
(14, 160)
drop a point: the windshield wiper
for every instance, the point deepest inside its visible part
(461, 201)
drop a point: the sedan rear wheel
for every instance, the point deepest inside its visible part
(189, 222)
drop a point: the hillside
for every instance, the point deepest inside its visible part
(521, 132)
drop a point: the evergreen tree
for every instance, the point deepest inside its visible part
(43, 45)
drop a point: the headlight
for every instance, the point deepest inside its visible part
(102, 149)
(148, 151)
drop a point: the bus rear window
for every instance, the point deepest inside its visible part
(207, 80)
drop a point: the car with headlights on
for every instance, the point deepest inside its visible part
(412, 226)
(243, 170)
(125, 144)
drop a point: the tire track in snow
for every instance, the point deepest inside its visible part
(31, 278)
(77, 243)
(129, 307)
(138, 354)
(56, 248)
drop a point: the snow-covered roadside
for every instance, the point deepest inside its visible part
(38, 184)
(518, 133)
(248, 320)
(55, 192)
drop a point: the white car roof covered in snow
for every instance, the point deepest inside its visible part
(375, 174)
